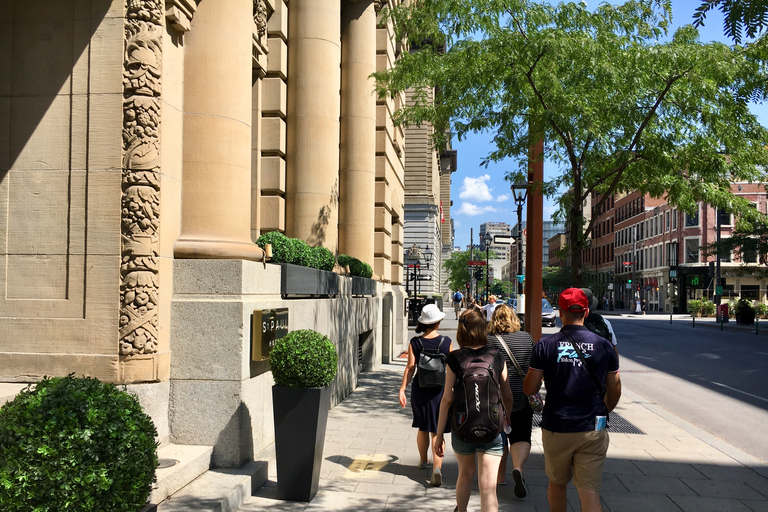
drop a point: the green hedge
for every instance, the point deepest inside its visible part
(296, 251)
(75, 445)
(356, 267)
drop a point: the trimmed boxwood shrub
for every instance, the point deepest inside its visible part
(298, 252)
(303, 359)
(75, 445)
(322, 258)
(280, 246)
(356, 267)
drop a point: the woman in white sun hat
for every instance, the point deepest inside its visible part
(425, 401)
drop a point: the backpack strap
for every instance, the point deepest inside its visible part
(511, 356)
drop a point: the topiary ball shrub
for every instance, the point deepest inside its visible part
(321, 258)
(280, 246)
(297, 252)
(356, 267)
(303, 359)
(75, 445)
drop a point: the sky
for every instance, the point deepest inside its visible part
(480, 194)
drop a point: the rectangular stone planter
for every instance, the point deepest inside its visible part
(363, 286)
(301, 281)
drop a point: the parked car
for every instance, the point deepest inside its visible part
(548, 314)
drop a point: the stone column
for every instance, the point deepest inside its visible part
(357, 171)
(216, 210)
(312, 163)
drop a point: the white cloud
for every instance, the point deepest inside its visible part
(456, 223)
(502, 198)
(550, 210)
(473, 209)
(476, 189)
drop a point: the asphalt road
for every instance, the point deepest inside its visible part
(715, 380)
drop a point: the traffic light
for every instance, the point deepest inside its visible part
(711, 269)
(629, 280)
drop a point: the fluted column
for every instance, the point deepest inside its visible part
(216, 210)
(312, 156)
(357, 171)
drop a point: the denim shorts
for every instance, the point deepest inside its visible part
(495, 447)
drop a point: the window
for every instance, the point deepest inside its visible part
(692, 250)
(666, 222)
(724, 254)
(750, 291)
(692, 220)
(672, 249)
(749, 252)
(674, 219)
(723, 217)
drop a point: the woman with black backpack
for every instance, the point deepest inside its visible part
(476, 386)
(426, 357)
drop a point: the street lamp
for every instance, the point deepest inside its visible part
(487, 239)
(520, 193)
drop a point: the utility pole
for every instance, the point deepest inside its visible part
(718, 296)
(472, 258)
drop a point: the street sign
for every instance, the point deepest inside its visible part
(503, 240)
(610, 286)
(521, 279)
(423, 278)
(629, 286)
(718, 290)
(476, 263)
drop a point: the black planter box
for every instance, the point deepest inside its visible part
(305, 281)
(363, 286)
(301, 416)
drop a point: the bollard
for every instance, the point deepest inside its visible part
(670, 319)
(693, 319)
(721, 322)
(756, 322)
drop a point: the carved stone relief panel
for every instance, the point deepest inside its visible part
(142, 67)
(261, 15)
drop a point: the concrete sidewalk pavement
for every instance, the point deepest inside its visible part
(370, 463)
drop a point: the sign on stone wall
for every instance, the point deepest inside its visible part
(268, 326)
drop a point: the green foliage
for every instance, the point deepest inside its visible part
(321, 257)
(618, 110)
(296, 251)
(75, 445)
(707, 308)
(761, 309)
(740, 17)
(694, 307)
(280, 246)
(744, 306)
(457, 272)
(356, 267)
(303, 359)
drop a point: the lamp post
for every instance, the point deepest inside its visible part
(487, 239)
(427, 259)
(520, 193)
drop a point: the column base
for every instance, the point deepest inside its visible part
(217, 249)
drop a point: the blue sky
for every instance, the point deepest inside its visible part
(480, 194)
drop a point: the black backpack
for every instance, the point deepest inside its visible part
(596, 324)
(477, 410)
(430, 368)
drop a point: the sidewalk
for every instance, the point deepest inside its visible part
(370, 463)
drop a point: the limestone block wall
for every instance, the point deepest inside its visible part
(217, 395)
(77, 258)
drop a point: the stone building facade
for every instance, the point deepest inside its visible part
(144, 146)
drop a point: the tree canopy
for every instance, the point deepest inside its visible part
(741, 17)
(457, 270)
(618, 108)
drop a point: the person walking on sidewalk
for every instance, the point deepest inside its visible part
(457, 299)
(505, 328)
(425, 402)
(472, 338)
(581, 370)
(597, 323)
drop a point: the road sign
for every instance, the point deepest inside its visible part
(503, 240)
(718, 290)
(520, 278)
(476, 263)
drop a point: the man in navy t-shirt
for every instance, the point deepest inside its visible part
(573, 426)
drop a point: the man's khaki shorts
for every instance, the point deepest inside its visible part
(579, 455)
(457, 306)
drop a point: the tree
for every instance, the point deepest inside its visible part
(742, 17)
(618, 110)
(457, 269)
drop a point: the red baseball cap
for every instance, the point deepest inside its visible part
(573, 300)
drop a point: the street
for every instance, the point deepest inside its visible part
(715, 380)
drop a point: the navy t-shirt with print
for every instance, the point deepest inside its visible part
(572, 398)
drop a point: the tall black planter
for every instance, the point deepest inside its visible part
(301, 416)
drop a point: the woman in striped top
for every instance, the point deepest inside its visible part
(504, 327)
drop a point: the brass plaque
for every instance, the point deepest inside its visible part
(269, 325)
